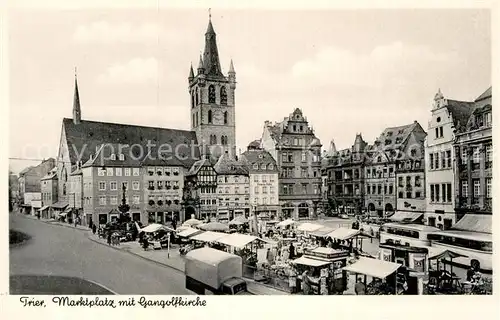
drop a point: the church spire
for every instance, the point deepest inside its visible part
(191, 73)
(211, 54)
(77, 113)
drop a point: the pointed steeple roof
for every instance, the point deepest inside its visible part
(200, 64)
(191, 72)
(77, 113)
(231, 67)
(211, 53)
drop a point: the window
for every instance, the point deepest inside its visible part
(408, 194)
(464, 155)
(488, 188)
(223, 96)
(475, 155)
(433, 198)
(448, 158)
(127, 172)
(436, 160)
(135, 185)
(465, 188)
(448, 192)
(443, 191)
(175, 171)
(102, 200)
(113, 200)
(211, 94)
(271, 166)
(303, 173)
(136, 200)
(487, 119)
(418, 194)
(109, 172)
(256, 178)
(264, 178)
(209, 116)
(418, 182)
(119, 172)
(101, 172)
(135, 172)
(436, 189)
(102, 185)
(113, 156)
(431, 160)
(391, 189)
(304, 188)
(443, 160)
(489, 153)
(264, 189)
(159, 184)
(225, 117)
(441, 132)
(477, 188)
(256, 189)
(379, 189)
(271, 189)
(113, 186)
(151, 185)
(304, 157)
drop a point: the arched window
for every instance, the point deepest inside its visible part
(222, 140)
(213, 139)
(197, 97)
(192, 100)
(209, 116)
(211, 94)
(225, 117)
(223, 96)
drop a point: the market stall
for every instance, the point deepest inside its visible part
(192, 222)
(308, 227)
(441, 279)
(383, 274)
(213, 226)
(285, 223)
(348, 239)
(157, 235)
(323, 266)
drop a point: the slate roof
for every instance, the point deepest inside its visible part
(460, 111)
(260, 157)
(484, 95)
(228, 166)
(84, 138)
(197, 165)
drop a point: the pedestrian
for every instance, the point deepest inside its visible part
(291, 251)
(109, 237)
(270, 256)
(360, 288)
(94, 228)
(306, 283)
(174, 224)
(292, 280)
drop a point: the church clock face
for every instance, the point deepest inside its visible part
(218, 117)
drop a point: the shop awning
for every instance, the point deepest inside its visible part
(323, 232)
(156, 227)
(343, 233)
(59, 205)
(310, 262)
(406, 217)
(309, 227)
(209, 236)
(188, 232)
(373, 267)
(285, 223)
(237, 240)
(43, 208)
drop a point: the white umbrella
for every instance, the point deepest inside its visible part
(155, 227)
(192, 222)
(213, 226)
(285, 223)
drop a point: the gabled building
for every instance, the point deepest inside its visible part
(48, 187)
(474, 149)
(263, 182)
(394, 146)
(297, 152)
(344, 173)
(447, 116)
(233, 190)
(29, 185)
(200, 191)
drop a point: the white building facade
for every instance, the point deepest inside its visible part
(440, 161)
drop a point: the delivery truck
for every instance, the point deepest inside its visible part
(210, 271)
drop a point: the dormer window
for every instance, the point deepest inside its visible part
(122, 157)
(113, 156)
(389, 133)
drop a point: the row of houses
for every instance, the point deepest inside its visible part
(443, 173)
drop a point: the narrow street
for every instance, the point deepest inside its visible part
(62, 251)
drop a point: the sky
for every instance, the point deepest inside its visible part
(350, 71)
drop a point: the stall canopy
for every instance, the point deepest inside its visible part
(285, 223)
(188, 232)
(343, 233)
(209, 236)
(310, 262)
(155, 227)
(309, 227)
(213, 226)
(323, 232)
(43, 208)
(236, 222)
(436, 253)
(406, 217)
(373, 267)
(237, 240)
(192, 222)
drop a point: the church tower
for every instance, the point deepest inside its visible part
(212, 101)
(77, 112)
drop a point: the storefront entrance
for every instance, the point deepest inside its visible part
(303, 211)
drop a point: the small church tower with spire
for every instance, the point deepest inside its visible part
(77, 112)
(212, 101)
